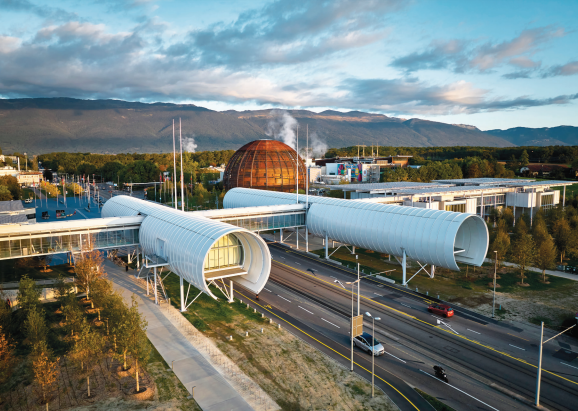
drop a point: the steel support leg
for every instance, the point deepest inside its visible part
(297, 238)
(156, 293)
(281, 235)
(306, 240)
(183, 309)
(326, 247)
(231, 294)
(404, 268)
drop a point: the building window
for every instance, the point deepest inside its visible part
(457, 208)
(226, 252)
(547, 201)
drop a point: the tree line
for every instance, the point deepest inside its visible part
(76, 337)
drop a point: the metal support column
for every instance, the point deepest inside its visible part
(532, 207)
(326, 247)
(137, 259)
(403, 264)
(281, 235)
(306, 239)
(353, 250)
(297, 238)
(183, 308)
(155, 290)
(231, 293)
(564, 197)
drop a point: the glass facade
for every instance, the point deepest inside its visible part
(269, 222)
(226, 252)
(458, 208)
(22, 247)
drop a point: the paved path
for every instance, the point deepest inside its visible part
(212, 392)
(538, 270)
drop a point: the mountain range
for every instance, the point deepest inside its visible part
(42, 125)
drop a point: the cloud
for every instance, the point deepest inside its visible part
(403, 96)
(49, 13)
(8, 44)
(568, 69)
(518, 74)
(469, 56)
(292, 32)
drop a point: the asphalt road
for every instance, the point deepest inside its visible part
(475, 351)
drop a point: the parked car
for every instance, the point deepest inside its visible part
(441, 309)
(28, 201)
(364, 341)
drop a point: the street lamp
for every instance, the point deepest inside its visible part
(372, 351)
(495, 274)
(539, 376)
(351, 329)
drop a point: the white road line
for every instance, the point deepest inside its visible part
(563, 363)
(283, 298)
(456, 388)
(378, 294)
(296, 262)
(519, 348)
(395, 357)
(305, 309)
(283, 258)
(332, 276)
(405, 305)
(330, 323)
(266, 289)
(473, 331)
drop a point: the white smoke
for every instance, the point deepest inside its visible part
(282, 127)
(189, 144)
(317, 146)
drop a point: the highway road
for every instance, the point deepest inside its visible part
(475, 351)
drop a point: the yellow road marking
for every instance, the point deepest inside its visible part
(439, 328)
(518, 337)
(325, 345)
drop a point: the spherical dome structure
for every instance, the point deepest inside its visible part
(266, 165)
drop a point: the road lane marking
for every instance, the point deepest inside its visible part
(519, 348)
(395, 357)
(266, 289)
(296, 262)
(330, 323)
(305, 309)
(456, 388)
(518, 337)
(378, 294)
(283, 298)
(408, 306)
(413, 317)
(473, 331)
(563, 363)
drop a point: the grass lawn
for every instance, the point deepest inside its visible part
(571, 191)
(437, 404)
(28, 193)
(293, 373)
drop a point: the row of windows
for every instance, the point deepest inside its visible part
(458, 208)
(492, 199)
(65, 243)
(262, 223)
(227, 252)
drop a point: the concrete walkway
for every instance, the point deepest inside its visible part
(555, 273)
(212, 391)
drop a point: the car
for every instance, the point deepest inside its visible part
(28, 201)
(364, 341)
(441, 309)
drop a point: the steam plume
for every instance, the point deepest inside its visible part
(317, 145)
(189, 144)
(282, 127)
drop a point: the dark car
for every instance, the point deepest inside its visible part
(441, 309)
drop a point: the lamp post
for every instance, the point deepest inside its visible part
(372, 351)
(339, 282)
(358, 283)
(539, 376)
(495, 274)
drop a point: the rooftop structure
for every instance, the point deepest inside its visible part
(265, 165)
(12, 212)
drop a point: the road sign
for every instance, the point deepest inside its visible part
(356, 325)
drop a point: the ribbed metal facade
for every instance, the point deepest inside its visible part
(266, 165)
(184, 240)
(429, 236)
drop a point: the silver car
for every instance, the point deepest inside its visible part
(364, 341)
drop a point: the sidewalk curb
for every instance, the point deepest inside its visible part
(518, 397)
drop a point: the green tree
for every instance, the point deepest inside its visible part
(88, 349)
(524, 159)
(35, 327)
(111, 170)
(44, 367)
(72, 315)
(7, 358)
(523, 253)
(563, 236)
(28, 295)
(5, 194)
(139, 172)
(546, 255)
(89, 268)
(12, 184)
(501, 244)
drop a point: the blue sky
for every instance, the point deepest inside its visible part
(492, 64)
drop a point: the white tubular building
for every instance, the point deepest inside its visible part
(435, 237)
(197, 249)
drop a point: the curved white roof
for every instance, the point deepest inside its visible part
(188, 238)
(429, 236)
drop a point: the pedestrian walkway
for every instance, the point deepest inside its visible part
(212, 392)
(555, 273)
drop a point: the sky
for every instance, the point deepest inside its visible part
(491, 64)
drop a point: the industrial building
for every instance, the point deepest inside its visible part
(471, 195)
(353, 169)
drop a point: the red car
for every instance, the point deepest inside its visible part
(441, 309)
